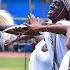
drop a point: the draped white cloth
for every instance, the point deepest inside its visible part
(48, 40)
(40, 60)
(61, 48)
(65, 62)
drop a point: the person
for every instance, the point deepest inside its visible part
(56, 13)
(5, 20)
(61, 28)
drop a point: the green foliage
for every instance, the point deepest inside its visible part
(13, 64)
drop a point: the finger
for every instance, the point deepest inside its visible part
(32, 16)
(38, 19)
(28, 26)
(30, 19)
(34, 19)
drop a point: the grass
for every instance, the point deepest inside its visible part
(13, 64)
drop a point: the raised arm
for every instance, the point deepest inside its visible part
(55, 28)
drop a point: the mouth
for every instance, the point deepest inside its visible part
(50, 13)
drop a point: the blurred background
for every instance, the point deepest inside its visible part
(19, 10)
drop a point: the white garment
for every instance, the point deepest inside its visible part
(48, 39)
(40, 60)
(63, 22)
(65, 62)
(61, 48)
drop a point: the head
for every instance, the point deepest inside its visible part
(58, 11)
(6, 18)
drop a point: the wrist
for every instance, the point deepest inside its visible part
(44, 28)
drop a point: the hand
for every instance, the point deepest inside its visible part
(33, 20)
(35, 23)
(8, 42)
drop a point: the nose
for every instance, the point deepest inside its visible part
(50, 11)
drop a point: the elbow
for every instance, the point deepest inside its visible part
(68, 43)
(68, 46)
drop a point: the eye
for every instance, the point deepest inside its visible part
(57, 3)
(52, 5)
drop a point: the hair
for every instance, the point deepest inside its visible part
(67, 4)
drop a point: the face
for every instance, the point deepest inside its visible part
(56, 9)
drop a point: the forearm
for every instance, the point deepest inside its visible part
(55, 28)
(24, 37)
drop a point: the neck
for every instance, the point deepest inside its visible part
(62, 16)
